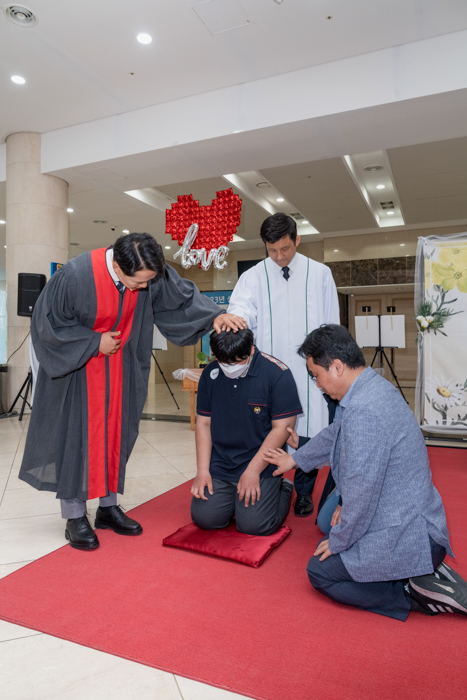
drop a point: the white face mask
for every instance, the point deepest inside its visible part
(234, 371)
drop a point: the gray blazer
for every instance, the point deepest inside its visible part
(380, 465)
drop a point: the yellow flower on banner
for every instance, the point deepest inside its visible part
(455, 255)
(431, 274)
(452, 276)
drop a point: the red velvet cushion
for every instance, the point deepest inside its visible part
(228, 543)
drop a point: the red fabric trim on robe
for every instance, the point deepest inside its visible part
(107, 311)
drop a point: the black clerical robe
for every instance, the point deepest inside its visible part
(87, 405)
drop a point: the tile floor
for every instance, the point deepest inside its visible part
(35, 666)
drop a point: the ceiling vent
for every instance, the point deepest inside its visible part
(99, 221)
(296, 215)
(387, 205)
(20, 15)
(373, 168)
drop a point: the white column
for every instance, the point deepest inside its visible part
(36, 236)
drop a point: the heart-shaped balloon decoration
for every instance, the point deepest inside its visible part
(217, 222)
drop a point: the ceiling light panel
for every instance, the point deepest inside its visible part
(257, 188)
(372, 175)
(222, 15)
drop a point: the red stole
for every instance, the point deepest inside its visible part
(104, 431)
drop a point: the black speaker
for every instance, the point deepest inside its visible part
(30, 285)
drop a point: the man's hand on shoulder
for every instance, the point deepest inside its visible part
(323, 550)
(293, 439)
(229, 322)
(200, 482)
(248, 487)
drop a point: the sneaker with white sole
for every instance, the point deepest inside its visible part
(444, 591)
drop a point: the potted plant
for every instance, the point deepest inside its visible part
(203, 359)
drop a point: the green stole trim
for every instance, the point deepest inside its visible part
(270, 307)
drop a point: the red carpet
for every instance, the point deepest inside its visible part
(261, 632)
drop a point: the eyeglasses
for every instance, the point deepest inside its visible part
(311, 375)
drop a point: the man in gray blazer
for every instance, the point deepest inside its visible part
(385, 551)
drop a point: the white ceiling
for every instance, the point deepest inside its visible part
(78, 59)
(77, 62)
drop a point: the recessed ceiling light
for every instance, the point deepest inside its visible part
(144, 38)
(2, 222)
(22, 16)
(263, 184)
(70, 210)
(373, 168)
(402, 245)
(336, 250)
(18, 79)
(125, 230)
(390, 213)
(380, 187)
(280, 199)
(304, 221)
(167, 247)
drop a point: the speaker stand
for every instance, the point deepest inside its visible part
(27, 384)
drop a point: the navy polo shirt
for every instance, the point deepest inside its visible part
(242, 411)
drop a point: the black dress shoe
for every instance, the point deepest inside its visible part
(303, 506)
(80, 534)
(115, 518)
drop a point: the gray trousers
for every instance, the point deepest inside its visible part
(262, 518)
(74, 508)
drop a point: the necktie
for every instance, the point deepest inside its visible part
(285, 272)
(120, 286)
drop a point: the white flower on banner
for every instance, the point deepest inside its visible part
(446, 393)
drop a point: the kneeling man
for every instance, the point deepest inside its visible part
(385, 551)
(246, 402)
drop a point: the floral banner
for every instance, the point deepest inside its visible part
(441, 317)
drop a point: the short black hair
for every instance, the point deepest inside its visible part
(332, 342)
(139, 251)
(229, 347)
(277, 226)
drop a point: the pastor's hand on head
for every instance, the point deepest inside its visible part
(229, 322)
(110, 342)
(281, 459)
(199, 484)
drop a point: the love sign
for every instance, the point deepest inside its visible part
(213, 226)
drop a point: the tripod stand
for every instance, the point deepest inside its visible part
(26, 387)
(165, 380)
(379, 352)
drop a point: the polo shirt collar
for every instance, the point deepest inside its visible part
(253, 370)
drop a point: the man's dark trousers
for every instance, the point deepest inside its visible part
(305, 482)
(382, 597)
(262, 518)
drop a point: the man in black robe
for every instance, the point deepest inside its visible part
(92, 331)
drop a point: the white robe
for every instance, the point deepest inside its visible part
(281, 313)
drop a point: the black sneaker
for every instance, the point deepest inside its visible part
(440, 592)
